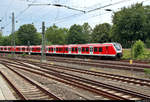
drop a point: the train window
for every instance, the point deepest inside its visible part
(51, 49)
(38, 49)
(100, 49)
(87, 49)
(83, 49)
(75, 49)
(56, 49)
(18, 49)
(72, 49)
(66, 49)
(1, 48)
(5, 48)
(23, 49)
(59, 49)
(95, 49)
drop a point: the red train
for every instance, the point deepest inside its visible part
(104, 49)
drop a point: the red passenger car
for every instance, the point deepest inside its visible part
(103, 49)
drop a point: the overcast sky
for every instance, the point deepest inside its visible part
(62, 17)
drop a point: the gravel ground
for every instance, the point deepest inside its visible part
(64, 91)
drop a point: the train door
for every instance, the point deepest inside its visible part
(79, 50)
(54, 49)
(91, 50)
(69, 49)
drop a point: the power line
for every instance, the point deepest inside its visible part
(17, 16)
(106, 6)
(90, 10)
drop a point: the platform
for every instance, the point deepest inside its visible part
(5, 92)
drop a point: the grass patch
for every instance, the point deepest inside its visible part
(144, 56)
(126, 54)
(147, 72)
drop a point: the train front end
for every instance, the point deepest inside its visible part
(118, 49)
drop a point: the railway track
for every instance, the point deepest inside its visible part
(26, 88)
(142, 82)
(115, 92)
(99, 63)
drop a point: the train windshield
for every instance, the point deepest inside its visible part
(117, 46)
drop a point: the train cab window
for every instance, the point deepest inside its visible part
(87, 49)
(95, 49)
(100, 49)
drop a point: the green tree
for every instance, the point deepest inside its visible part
(1, 37)
(76, 35)
(101, 33)
(55, 35)
(27, 33)
(129, 25)
(87, 30)
(6, 41)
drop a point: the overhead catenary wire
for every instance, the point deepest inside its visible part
(86, 12)
(58, 20)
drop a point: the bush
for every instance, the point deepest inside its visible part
(138, 49)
